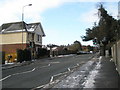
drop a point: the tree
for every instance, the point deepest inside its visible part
(90, 48)
(89, 35)
(106, 30)
(76, 46)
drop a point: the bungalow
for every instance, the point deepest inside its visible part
(20, 35)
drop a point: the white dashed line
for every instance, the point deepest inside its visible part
(51, 80)
(40, 86)
(5, 77)
(69, 69)
(22, 72)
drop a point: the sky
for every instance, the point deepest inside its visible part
(63, 21)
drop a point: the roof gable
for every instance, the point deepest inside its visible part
(12, 27)
(36, 28)
(17, 27)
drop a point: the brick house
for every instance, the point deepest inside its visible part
(20, 35)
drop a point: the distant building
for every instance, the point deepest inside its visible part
(20, 35)
(85, 48)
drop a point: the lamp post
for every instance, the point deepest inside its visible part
(23, 19)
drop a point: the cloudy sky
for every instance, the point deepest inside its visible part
(63, 21)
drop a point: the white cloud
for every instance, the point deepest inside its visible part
(89, 17)
(92, 16)
(112, 10)
(11, 9)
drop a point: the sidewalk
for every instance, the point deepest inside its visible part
(108, 76)
(99, 73)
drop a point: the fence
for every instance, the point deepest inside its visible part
(116, 54)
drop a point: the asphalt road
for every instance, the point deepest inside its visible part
(40, 72)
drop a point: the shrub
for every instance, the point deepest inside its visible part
(42, 52)
(20, 55)
(23, 55)
(27, 55)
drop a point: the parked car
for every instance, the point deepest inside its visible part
(81, 52)
(84, 52)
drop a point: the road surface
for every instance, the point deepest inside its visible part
(41, 72)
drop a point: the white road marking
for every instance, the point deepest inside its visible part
(45, 66)
(23, 72)
(49, 64)
(68, 69)
(5, 77)
(51, 80)
(90, 57)
(40, 86)
(100, 57)
(17, 74)
(58, 74)
(52, 77)
(54, 62)
(77, 64)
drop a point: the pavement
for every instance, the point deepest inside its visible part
(99, 73)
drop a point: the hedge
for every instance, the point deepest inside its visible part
(23, 55)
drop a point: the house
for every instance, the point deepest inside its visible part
(20, 35)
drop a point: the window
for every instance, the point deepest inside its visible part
(38, 38)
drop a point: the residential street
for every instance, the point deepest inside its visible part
(60, 44)
(42, 72)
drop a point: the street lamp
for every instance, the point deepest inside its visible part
(23, 10)
(23, 19)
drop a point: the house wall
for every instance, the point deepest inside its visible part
(34, 38)
(29, 38)
(10, 42)
(39, 32)
(11, 48)
(13, 38)
(116, 54)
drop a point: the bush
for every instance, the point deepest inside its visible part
(23, 55)
(42, 52)
(20, 55)
(27, 55)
